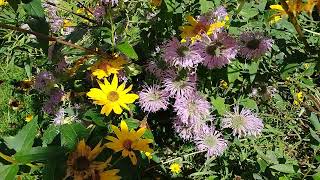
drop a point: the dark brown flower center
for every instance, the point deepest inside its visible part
(199, 28)
(183, 51)
(253, 44)
(113, 96)
(82, 163)
(215, 48)
(127, 144)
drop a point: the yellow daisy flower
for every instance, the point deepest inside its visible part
(80, 162)
(280, 12)
(175, 168)
(112, 97)
(195, 28)
(128, 141)
(106, 67)
(3, 2)
(29, 117)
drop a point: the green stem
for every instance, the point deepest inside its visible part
(7, 158)
(112, 30)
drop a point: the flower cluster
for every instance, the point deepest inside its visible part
(204, 42)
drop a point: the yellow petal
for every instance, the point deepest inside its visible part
(116, 108)
(111, 138)
(133, 157)
(114, 83)
(116, 130)
(140, 132)
(129, 98)
(127, 90)
(191, 20)
(97, 94)
(114, 146)
(125, 153)
(124, 126)
(96, 151)
(106, 109)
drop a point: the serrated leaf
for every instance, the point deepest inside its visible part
(253, 69)
(128, 50)
(25, 137)
(170, 5)
(97, 118)
(39, 154)
(285, 168)
(8, 172)
(248, 11)
(132, 123)
(71, 134)
(34, 8)
(249, 103)
(219, 105)
(234, 71)
(50, 133)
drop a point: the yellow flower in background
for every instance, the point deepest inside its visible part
(109, 175)
(148, 155)
(224, 84)
(280, 12)
(195, 28)
(80, 164)
(29, 117)
(298, 98)
(156, 2)
(3, 2)
(128, 141)
(111, 96)
(81, 11)
(106, 67)
(67, 23)
(175, 168)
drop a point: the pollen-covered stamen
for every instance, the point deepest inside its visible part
(215, 48)
(182, 51)
(113, 96)
(127, 144)
(82, 163)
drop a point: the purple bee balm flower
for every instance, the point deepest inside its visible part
(192, 109)
(254, 45)
(181, 54)
(244, 123)
(99, 12)
(43, 80)
(59, 117)
(153, 99)
(112, 2)
(211, 141)
(55, 98)
(217, 50)
(153, 68)
(216, 15)
(179, 87)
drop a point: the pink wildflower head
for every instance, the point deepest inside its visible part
(211, 141)
(153, 68)
(181, 54)
(192, 109)
(99, 12)
(177, 86)
(153, 99)
(219, 14)
(187, 131)
(243, 123)
(254, 45)
(217, 50)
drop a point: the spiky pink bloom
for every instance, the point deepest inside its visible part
(254, 45)
(99, 12)
(181, 54)
(187, 131)
(43, 80)
(211, 141)
(55, 98)
(178, 87)
(152, 99)
(219, 14)
(153, 68)
(217, 50)
(243, 123)
(192, 109)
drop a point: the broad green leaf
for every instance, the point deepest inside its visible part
(314, 135)
(219, 104)
(25, 137)
(315, 121)
(128, 50)
(285, 168)
(249, 103)
(93, 115)
(71, 134)
(39, 154)
(316, 176)
(14, 4)
(50, 133)
(205, 6)
(8, 172)
(263, 164)
(34, 8)
(170, 5)
(132, 123)
(253, 69)
(234, 71)
(54, 169)
(248, 11)
(288, 69)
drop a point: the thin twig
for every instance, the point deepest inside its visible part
(56, 39)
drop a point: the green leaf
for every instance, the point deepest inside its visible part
(25, 137)
(285, 168)
(128, 50)
(249, 103)
(219, 104)
(314, 135)
(34, 8)
(170, 5)
(205, 6)
(14, 4)
(39, 154)
(132, 123)
(93, 115)
(315, 121)
(71, 134)
(253, 69)
(234, 71)
(316, 176)
(54, 169)
(288, 69)
(263, 164)
(8, 172)
(50, 133)
(248, 11)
